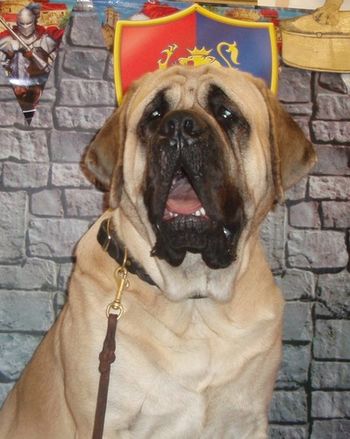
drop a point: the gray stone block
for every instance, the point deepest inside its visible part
(69, 146)
(333, 295)
(47, 203)
(288, 407)
(6, 94)
(331, 429)
(78, 92)
(84, 203)
(51, 82)
(273, 237)
(3, 78)
(329, 187)
(330, 404)
(13, 221)
(24, 145)
(305, 215)
(4, 391)
(15, 352)
(49, 95)
(68, 175)
(294, 369)
(332, 107)
(332, 160)
(297, 284)
(331, 131)
(317, 249)
(297, 322)
(288, 432)
(332, 340)
(55, 237)
(84, 118)
(330, 375)
(25, 175)
(333, 82)
(19, 310)
(35, 274)
(43, 116)
(10, 113)
(294, 85)
(298, 191)
(86, 30)
(87, 63)
(336, 214)
(299, 109)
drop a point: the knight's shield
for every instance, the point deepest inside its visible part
(194, 36)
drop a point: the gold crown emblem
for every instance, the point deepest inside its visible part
(199, 52)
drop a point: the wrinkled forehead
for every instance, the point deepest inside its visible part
(185, 87)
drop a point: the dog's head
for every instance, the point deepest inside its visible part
(202, 154)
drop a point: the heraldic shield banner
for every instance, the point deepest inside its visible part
(194, 36)
(30, 34)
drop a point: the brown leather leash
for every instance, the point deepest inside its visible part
(107, 356)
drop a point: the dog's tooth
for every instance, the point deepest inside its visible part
(202, 211)
(198, 213)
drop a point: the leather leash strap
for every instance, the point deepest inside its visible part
(107, 357)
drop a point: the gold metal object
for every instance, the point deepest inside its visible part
(122, 282)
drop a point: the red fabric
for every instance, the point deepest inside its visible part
(53, 6)
(156, 10)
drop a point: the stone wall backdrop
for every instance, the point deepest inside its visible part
(47, 204)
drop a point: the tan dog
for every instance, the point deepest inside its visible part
(195, 158)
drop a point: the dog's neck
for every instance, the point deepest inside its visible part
(192, 278)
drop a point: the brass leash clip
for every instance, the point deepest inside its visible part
(122, 282)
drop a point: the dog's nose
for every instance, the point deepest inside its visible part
(185, 124)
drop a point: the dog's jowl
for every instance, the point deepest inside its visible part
(194, 159)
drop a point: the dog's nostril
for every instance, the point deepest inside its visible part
(188, 126)
(171, 127)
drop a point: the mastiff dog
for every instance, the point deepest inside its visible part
(194, 159)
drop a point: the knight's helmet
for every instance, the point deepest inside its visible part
(26, 21)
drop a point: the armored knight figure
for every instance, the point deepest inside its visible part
(27, 52)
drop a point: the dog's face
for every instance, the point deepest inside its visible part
(201, 154)
(192, 198)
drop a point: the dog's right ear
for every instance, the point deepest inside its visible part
(104, 156)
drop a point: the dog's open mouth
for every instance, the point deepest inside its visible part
(183, 200)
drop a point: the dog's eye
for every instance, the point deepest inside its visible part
(225, 116)
(155, 114)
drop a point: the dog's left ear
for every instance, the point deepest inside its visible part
(104, 156)
(293, 155)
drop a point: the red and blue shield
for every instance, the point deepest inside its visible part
(193, 36)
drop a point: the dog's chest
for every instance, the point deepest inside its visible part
(175, 384)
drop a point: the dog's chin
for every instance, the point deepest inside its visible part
(188, 233)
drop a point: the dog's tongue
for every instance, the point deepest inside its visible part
(182, 198)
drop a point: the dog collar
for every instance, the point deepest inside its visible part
(110, 243)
